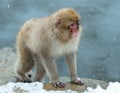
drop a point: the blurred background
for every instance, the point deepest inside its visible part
(99, 51)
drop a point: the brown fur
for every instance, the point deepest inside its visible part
(40, 41)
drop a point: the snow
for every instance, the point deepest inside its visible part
(112, 88)
(35, 87)
(8, 6)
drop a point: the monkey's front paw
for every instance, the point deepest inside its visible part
(59, 84)
(78, 82)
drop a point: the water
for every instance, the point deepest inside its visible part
(99, 51)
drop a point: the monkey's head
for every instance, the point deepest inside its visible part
(67, 24)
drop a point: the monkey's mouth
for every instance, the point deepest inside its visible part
(74, 33)
(74, 29)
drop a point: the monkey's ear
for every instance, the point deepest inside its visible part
(58, 21)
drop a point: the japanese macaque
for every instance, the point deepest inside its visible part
(40, 41)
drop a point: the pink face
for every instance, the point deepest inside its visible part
(74, 29)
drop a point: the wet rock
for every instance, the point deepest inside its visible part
(68, 86)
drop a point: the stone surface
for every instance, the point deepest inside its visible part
(88, 83)
(68, 86)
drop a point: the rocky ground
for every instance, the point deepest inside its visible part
(7, 59)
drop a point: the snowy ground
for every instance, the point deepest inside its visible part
(37, 87)
(112, 88)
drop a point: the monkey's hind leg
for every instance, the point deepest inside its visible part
(24, 64)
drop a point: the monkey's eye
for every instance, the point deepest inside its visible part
(72, 25)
